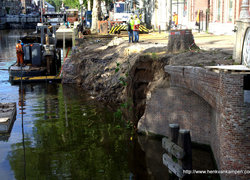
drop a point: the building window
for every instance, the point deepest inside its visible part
(230, 11)
(219, 10)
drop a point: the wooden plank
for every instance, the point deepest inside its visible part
(230, 72)
(172, 166)
(7, 116)
(230, 67)
(172, 148)
(4, 119)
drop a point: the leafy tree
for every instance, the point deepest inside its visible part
(68, 3)
(56, 3)
(72, 3)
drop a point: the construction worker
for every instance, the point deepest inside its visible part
(175, 19)
(19, 53)
(130, 29)
(136, 29)
(197, 23)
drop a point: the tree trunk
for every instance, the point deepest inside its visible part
(95, 13)
(181, 40)
(89, 5)
(99, 10)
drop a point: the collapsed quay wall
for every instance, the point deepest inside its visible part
(212, 105)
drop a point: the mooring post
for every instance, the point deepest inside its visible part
(184, 141)
(174, 132)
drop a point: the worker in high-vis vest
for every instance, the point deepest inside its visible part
(130, 29)
(197, 23)
(136, 29)
(19, 53)
(175, 19)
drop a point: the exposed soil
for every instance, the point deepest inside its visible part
(116, 71)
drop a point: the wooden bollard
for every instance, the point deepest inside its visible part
(174, 132)
(182, 152)
(184, 142)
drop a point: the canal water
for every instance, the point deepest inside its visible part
(63, 133)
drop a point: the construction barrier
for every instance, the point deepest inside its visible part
(143, 29)
(117, 28)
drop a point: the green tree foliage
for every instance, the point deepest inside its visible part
(68, 3)
(72, 3)
(56, 3)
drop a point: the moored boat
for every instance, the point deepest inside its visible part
(42, 61)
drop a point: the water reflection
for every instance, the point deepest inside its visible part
(8, 39)
(21, 100)
(88, 143)
(21, 104)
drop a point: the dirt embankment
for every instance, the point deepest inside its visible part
(116, 71)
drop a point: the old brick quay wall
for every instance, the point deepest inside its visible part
(212, 106)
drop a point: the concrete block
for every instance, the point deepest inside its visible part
(240, 34)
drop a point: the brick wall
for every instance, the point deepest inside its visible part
(212, 106)
(224, 92)
(196, 5)
(177, 105)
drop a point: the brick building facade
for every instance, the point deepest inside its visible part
(223, 15)
(218, 16)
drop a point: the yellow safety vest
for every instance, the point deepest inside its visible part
(132, 22)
